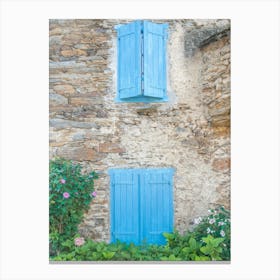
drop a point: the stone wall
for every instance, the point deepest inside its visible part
(190, 133)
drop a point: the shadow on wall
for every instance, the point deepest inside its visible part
(203, 36)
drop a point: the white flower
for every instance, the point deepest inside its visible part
(212, 221)
(221, 223)
(198, 220)
(209, 211)
(212, 231)
(222, 233)
(208, 230)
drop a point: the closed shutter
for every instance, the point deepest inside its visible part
(157, 205)
(155, 59)
(141, 205)
(129, 60)
(124, 206)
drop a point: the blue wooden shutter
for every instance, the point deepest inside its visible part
(156, 204)
(155, 59)
(129, 60)
(124, 206)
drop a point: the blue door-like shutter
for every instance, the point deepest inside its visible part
(155, 59)
(157, 205)
(124, 206)
(141, 204)
(129, 60)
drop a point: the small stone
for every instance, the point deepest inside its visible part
(75, 52)
(101, 114)
(78, 136)
(64, 89)
(180, 129)
(57, 99)
(221, 164)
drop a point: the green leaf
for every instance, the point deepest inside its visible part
(95, 256)
(197, 258)
(108, 255)
(67, 243)
(173, 258)
(217, 241)
(192, 243)
(205, 250)
(219, 250)
(186, 250)
(168, 235)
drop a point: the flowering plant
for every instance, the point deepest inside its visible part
(79, 241)
(217, 224)
(70, 193)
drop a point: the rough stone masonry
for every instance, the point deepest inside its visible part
(191, 132)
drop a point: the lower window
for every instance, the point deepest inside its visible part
(141, 204)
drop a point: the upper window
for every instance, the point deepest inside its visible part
(141, 62)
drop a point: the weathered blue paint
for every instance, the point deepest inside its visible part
(142, 62)
(129, 60)
(157, 205)
(124, 207)
(155, 59)
(141, 204)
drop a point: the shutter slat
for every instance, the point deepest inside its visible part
(129, 60)
(155, 60)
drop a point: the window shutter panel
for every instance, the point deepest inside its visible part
(157, 205)
(155, 59)
(124, 206)
(129, 60)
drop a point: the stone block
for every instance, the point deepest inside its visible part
(64, 89)
(109, 147)
(79, 101)
(75, 52)
(57, 99)
(221, 164)
(62, 123)
(78, 154)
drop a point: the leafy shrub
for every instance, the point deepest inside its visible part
(212, 247)
(100, 251)
(217, 223)
(70, 193)
(178, 248)
(200, 244)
